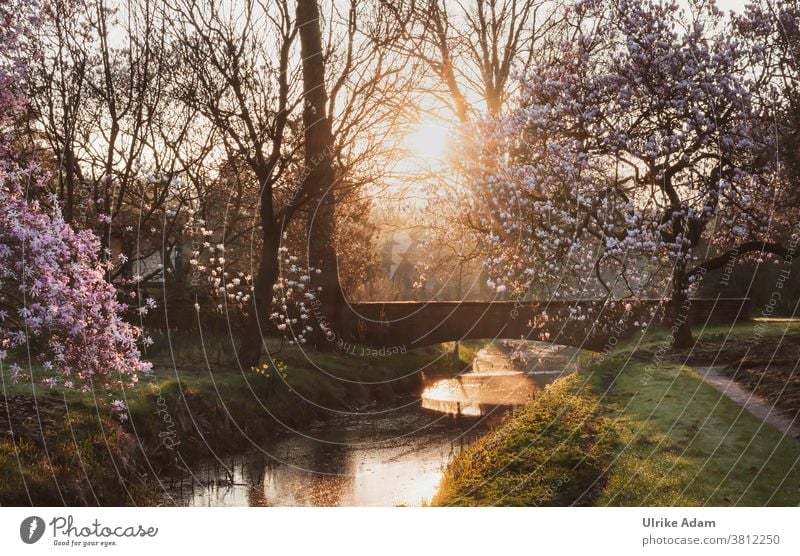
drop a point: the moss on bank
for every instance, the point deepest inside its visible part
(633, 430)
(67, 449)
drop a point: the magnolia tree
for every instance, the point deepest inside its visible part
(638, 159)
(771, 29)
(54, 300)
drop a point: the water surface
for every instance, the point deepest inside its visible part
(387, 458)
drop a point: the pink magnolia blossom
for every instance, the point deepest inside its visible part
(54, 299)
(630, 160)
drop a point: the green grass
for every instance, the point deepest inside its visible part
(626, 431)
(546, 454)
(180, 413)
(467, 350)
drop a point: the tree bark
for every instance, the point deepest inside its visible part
(741, 249)
(680, 306)
(272, 225)
(268, 267)
(320, 177)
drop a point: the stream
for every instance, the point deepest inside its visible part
(392, 457)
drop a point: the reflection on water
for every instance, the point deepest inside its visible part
(504, 375)
(384, 459)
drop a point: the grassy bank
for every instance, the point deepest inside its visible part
(639, 429)
(67, 449)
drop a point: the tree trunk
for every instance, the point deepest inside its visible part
(320, 176)
(252, 336)
(69, 196)
(680, 306)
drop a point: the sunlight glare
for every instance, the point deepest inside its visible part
(428, 141)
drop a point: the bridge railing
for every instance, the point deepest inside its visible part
(583, 323)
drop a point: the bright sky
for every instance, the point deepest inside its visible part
(727, 5)
(426, 144)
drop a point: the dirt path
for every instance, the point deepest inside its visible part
(753, 403)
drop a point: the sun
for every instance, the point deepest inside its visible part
(428, 142)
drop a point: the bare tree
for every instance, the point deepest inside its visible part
(470, 48)
(99, 98)
(240, 70)
(319, 177)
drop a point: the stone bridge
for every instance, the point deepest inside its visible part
(588, 324)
